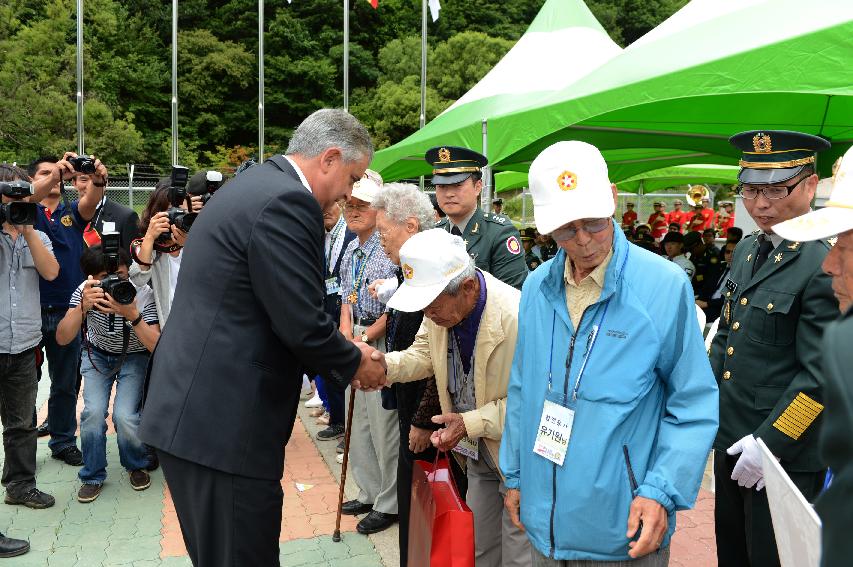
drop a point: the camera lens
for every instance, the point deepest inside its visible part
(123, 292)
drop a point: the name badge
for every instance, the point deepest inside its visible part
(468, 447)
(555, 430)
(731, 285)
(333, 286)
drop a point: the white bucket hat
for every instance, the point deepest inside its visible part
(430, 260)
(834, 218)
(569, 181)
(366, 188)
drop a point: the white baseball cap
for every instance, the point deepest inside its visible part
(834, 218)
(366, 188)
(569, 181)
(430, 260)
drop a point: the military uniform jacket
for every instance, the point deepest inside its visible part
(836, 444)
(766, 355)
(495, 244)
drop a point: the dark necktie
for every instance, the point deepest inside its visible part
(455, 230)
(765, 247)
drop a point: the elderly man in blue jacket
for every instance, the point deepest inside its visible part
(612, 406)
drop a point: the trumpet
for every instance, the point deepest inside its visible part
(695, 195)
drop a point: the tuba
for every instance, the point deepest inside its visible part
(696, 194)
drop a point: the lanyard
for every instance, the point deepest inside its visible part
(590, 341)
(336, 231)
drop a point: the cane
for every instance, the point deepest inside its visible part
(336, 537)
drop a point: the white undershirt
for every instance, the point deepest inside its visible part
(174, 268)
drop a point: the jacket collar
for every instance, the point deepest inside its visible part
(786, 252)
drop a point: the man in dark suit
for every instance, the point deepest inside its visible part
(247, 321)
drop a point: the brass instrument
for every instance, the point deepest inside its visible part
(696, 194)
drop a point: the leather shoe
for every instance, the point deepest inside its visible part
(10, 547)
(70, 455)
(375, 522)
(33, 498)
(42, 429)
(354, 508)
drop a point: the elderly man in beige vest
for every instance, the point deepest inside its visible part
(467, 341)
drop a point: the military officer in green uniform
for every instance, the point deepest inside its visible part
(705, 260)
(528, 239)
(767, 353)
(836, 441)
(492, 240)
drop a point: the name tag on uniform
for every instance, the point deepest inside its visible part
(731, 286)
(555, 430)
(468, 447)
(333, 286)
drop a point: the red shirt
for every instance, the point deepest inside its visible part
(708, 215)
(724, 223)
(658, 223)
(680, 217)
(697, 222)
(629, 218)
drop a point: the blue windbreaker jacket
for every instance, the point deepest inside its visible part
(647, 405)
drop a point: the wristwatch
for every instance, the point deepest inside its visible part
(364, 337)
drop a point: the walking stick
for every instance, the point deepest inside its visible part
(336, 537)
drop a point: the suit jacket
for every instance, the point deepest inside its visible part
(836, 444)
(495, 348)
(766, 355)
(125, 219)
(247, 321)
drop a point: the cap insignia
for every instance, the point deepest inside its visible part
(408, 272)
(567, 181)
(443, 155)
(762, 143)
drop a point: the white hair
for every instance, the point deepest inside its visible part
(455, 284)
(331, 128)
(401, 201)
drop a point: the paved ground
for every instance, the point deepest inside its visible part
(140, 529)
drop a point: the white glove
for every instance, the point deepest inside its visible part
(748, 471)
(386, 290)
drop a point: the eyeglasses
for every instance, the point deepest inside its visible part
(360, 208)
(772, 192)
(590, 226)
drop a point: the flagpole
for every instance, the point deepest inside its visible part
(80, 141)
(423, 69)
(346, 55)
(487, 171)
(260, 81)
(174, 82)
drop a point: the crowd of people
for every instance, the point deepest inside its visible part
(560, 366)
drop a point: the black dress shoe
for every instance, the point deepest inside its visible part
(375, 522)
(354, 508)
(42, 429)
(12, 547)
(70, 455)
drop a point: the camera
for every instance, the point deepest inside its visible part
(119, 288)
(180, 217)
(83, 164)
(205, 184)
(17, 212)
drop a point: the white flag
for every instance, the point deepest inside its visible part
(434, 8)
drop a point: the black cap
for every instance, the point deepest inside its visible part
(673, 237)
(452, 164)
(773, 156)
(691, 239)
(497, 201)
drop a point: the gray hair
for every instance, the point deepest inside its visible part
(331, 128)
(470, 271)
(403, 200)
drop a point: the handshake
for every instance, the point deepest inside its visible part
(372, 370)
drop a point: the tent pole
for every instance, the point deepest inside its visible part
(174, 82)
(486, 199)
(346, 55)
(423, 69)
(80, 141)
(260, 81)
(640, 202)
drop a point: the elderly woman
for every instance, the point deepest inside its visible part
(466, 341)
(402, 211)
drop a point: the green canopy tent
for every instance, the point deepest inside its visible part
(564, 42)
(666, 177)
(715, 68)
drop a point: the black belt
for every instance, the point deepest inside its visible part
(363, 321)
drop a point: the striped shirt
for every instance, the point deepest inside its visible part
(378, 267)
(98, 323)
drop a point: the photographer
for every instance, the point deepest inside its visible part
(157, 256)
(25, 254)
(120, 336)
(63, 222)
(123, 219)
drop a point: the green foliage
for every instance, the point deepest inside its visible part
(127, 69)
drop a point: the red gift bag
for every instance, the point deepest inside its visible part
(441, 526)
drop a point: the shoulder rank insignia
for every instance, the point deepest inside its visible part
(793, 246)
(832, 241)
(749, 257)
(476, 228)
(499, 219)
(777, 258)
